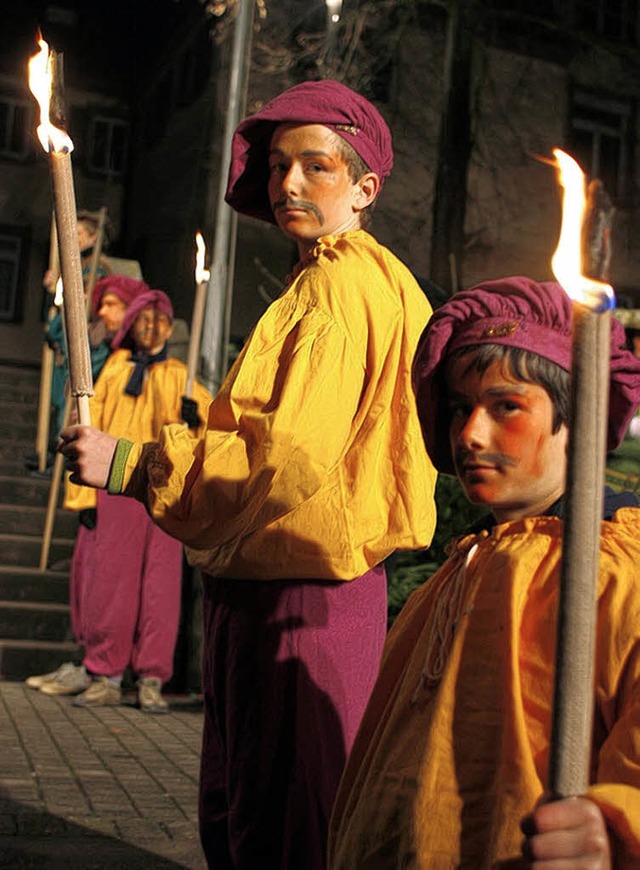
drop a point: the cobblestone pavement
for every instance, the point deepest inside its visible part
(105, 788)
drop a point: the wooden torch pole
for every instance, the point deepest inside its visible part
(95, 258)
(197, 318)
(195, 335)
(54, 494)
(80, 379)
(575, 648)
(571, 738)
(46, 369)
(58, 145)
(57, 471)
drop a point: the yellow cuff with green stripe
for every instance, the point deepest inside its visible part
(116, 475)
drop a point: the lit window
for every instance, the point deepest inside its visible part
(107, 146)
(15, 118)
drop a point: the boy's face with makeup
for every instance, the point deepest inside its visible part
(151, 329)
(505, 453)
(111, 311)
(310, 190)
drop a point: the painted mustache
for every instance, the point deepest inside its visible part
(299, 203)
(463, 457)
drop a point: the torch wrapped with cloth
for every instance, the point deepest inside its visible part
(58, 145)
(580, 265)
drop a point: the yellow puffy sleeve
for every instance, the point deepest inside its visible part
(280, 424)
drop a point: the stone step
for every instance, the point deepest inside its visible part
(26, 620)
(16, 449)
(21, 658)
(26, 370)
(30, 584)
(29, 520)
(13, 468)
(18, 412)
(24, 550)
(18, 395)
(20, 379)
(21, 430)
(26, 490)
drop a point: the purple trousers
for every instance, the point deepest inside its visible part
(287, 671)
(125, 584)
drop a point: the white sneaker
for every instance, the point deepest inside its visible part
(149, 698)
(36, 681)
(63, 672)
(100, 693)
(69, 680)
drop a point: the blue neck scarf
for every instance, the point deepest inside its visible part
(142, 362)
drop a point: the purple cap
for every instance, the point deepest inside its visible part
(151, 299)
(518, 312)
(326, 102)
(121, 286)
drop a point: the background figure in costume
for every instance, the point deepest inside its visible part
(110, 299)
(311, 472)
(126, 572)
(451, 761)
(88, 228)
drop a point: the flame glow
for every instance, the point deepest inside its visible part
(59, 297)
(334, 8)
(567, 259)
(40, 83)
(202, 274)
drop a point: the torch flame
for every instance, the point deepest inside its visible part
(59, 297)
(40, 83)
(202, 274)
(567, 259)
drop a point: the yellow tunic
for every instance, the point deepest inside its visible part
(453, 749)
(313, 464)
(138, 418)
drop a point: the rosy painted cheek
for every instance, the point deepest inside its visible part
(518, 426)
(527, 445)
(536, 461)
(523, 434)
(514, 439)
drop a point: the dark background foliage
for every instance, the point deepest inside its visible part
(407, 569)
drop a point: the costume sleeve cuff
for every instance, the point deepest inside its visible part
(116, 482)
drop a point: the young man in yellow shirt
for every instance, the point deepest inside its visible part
(311, 472)
(451, 760)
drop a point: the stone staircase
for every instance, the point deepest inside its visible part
(35, 631)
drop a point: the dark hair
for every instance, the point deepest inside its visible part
(356, 167)
(526, 366)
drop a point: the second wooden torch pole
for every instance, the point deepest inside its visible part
(80, 379)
